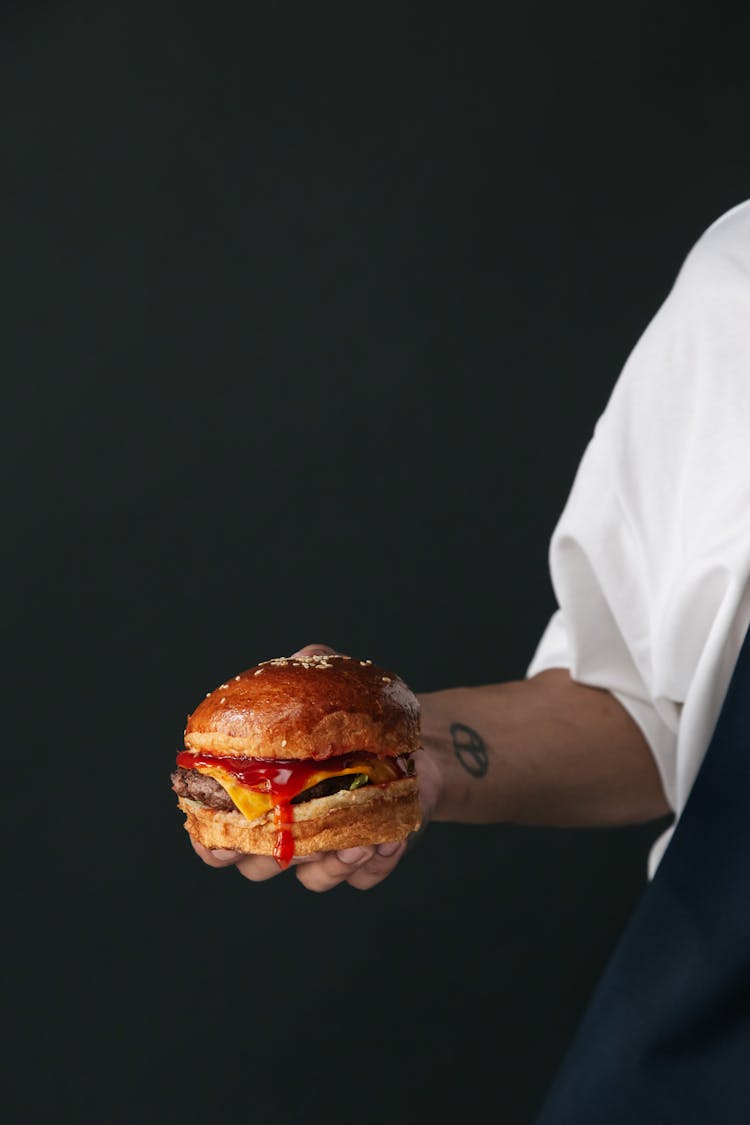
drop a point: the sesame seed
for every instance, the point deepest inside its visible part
(283, 742)
(223, 699)
(258, 672)
(208, 693)
(236, 677)
(386, 679)
(222, 686)
(368, 662)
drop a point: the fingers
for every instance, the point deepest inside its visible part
(359, 867)
(253, 867)
(216, 858)
(258, 868)
(373, 871)
(333, 868)
(315, 650)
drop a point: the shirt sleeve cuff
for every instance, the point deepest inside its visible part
(553, 652)
(661, 740)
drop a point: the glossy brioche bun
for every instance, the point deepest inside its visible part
(371, 815)
(307, 707)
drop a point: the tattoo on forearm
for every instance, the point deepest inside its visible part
(469, 748)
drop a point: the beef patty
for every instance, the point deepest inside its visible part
(190, 783)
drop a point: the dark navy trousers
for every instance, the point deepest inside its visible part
(666, 1038)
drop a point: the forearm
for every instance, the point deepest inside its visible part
(544, 751)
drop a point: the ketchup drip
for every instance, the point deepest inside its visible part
(283, 849)
(282, 780)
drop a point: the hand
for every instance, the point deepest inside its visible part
(361, 868)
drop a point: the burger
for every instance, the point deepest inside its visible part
(301, 754)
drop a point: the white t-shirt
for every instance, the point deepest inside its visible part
(650, 560)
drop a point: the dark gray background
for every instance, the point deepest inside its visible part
(308, 313)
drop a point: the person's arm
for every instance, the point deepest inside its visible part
(543, 751)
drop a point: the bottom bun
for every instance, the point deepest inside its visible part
(373, 814)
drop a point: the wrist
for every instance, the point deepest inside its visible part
(463, 754)
(431, 780)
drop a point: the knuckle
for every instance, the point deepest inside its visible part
(312, 881)
(380, 865)
(252, 876)
(212, 861)
(335, 868)
(363, 882)
(256, 872)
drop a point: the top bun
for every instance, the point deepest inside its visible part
(307, 707)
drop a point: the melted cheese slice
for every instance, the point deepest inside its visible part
(253, 804)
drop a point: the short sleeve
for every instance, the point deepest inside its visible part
(601, 631)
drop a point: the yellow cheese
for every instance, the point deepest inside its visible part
(250, 803)
(253, 804)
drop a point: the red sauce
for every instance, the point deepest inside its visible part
(282, 780)
(283, 849)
